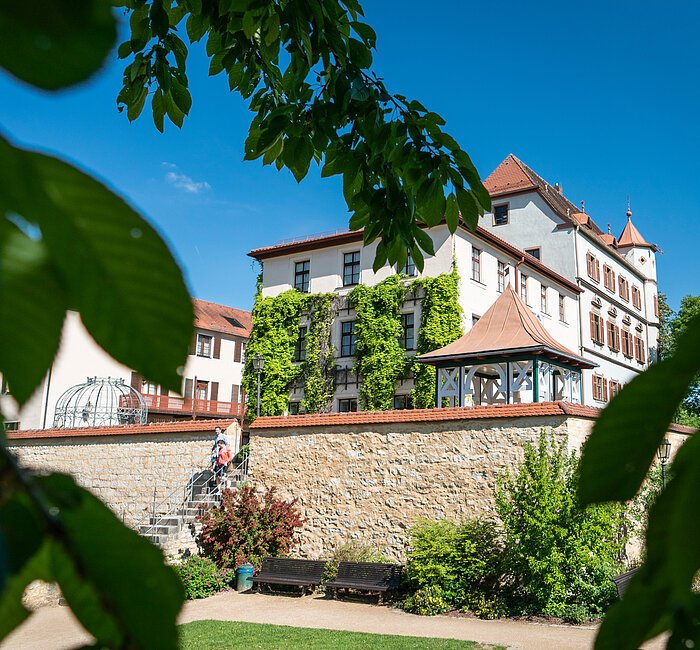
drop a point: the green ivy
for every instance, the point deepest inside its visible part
(318, 367)
(274, 335)
(379, 358)
(441, 323)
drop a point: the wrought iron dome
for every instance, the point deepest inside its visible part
(100, 402)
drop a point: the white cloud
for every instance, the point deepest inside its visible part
(184, 182)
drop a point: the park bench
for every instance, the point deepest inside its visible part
(287, 571)
(373, 577)
(622, 581)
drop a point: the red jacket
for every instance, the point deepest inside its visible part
(225, 456)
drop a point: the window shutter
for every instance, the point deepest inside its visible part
(217, 348)
(214, 391)
(617, 338)
(136, 381)
(237, 345)
(605, 389)
(189, 388)
(234, 393)
(193, 345)
(592, 326)
(588, 265)
(594, 387)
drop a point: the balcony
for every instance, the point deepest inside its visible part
(196, 407)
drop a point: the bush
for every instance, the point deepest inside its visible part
(428, 601)
(464, 560)
(561, 557)
(202, 578)
(246, 528)
(354, 551)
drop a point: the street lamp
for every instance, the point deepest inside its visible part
(258, 364)
(664, 453)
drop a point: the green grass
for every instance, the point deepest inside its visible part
(220, 635)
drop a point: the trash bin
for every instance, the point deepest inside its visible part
(244, 573)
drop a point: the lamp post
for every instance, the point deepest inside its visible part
(258, 364)
(664, 453)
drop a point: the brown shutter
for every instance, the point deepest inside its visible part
(217, 348)
(592, 327)
(237, 351)
(189, 388)
(588, 265)
(193, 345)
(617, 338)
(605, 389)
(136, 381)
(234, 393)
(593, 385)
(214, 391)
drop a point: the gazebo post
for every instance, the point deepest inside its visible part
(508, 378)
(535, 380)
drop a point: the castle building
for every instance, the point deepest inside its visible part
(211, 384)
(593, 294)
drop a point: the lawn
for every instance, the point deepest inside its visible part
(220, 635)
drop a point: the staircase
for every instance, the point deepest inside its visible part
(173, 520)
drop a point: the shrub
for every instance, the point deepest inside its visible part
(462, 559)
(428, 601)
(353, 551)
(202, 578)
(246, 528)
(561, 557)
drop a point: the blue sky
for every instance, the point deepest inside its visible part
(602, 97)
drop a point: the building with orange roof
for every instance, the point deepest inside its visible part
(619, 320)
(211, 378)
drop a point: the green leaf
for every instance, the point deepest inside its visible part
(431, 201)
(158, 109)
(467, 207)
(365, 32)
(452, 213)
(119, 273)
(33, 304)
(360, 54)
(55, 43)
(181, 97)
(160, 23)
(424, 240)
(113, 579)
(625, 438)
(177, 117)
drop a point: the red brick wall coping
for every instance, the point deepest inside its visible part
(182, 426)
(436, 415)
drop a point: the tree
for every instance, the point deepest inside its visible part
(400, 170)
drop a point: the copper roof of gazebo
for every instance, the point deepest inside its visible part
(507, 329)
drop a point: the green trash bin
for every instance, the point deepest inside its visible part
(244, 573)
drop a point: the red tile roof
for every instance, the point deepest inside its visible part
(632, 237)
(426, 415)
(220, 318)
(507, 328)
(180, 426)
(509, 176)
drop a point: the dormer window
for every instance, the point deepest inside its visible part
(534, 252)
(500, 215)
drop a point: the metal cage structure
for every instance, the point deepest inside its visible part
(100, 402)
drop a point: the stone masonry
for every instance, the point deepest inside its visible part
(371, 478)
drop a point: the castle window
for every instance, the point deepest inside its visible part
(500, 215)
(301, 276)
(593, 267)
(407, 338)
(544, 304)
(203, 345)
(609, 278)
(351, 269)
(409, 268)
(476, 264)
(597, 328)
(562, 309)
(534, 252)
(523, 287)
(636, 297)
(624, 287)
(348, 340)
(600, 388)
(613, 336)
(627, 343)
(501, 276)
(300, 346)
(347, 405)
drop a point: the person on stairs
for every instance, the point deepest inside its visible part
(223, 458)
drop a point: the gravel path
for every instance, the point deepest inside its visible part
(55, 628)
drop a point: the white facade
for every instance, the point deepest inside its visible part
(216, 370)
(478, 288)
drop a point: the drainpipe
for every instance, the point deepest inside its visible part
(517, 274)
(580, 305)
(46, 400)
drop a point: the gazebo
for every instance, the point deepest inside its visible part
(508, 357)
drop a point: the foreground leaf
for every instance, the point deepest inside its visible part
(55, 43)
(617, 455)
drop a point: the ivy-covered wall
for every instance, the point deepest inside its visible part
(380, 361)
(441, 323)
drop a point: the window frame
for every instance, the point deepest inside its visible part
(507, 209)
(593, 267)
(294, 407)
(613, 332)
(354, 266)
(199, 346)
(407, 402)
(404, 338)
(597, 327)
(476, 264)
(529, 251)
(544, 300)
(609, 278)
(351, 405)
(562, 308)
(501, 275)
(352, 345)
(636, 297)
(600, 388)
(300, 345)
(409, 268)
(622, 281)
(523, 288)
(304, 273)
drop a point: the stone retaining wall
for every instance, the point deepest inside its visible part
(371, 481)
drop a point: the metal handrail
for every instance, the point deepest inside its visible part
(179, 497)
